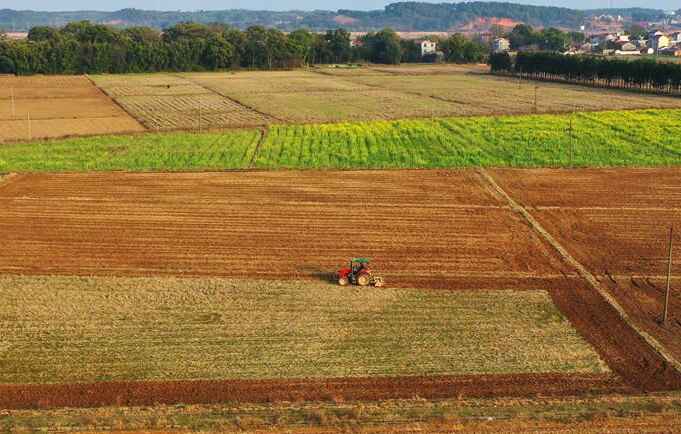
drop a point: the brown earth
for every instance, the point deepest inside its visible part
(616, 223)
(422, 228)
(428, 229)
(338, 390)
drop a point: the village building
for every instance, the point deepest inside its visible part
(501, 45)
(427, 46)
(659, 41)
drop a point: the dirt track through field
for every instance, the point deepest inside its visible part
(337, 389)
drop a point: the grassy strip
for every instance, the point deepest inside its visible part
(619, 138)
(643, 138)
(350, 417)
(143, 152)
(100, 329)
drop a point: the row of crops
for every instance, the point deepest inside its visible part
(620, 138)
(616, 138)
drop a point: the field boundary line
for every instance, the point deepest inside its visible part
(402, 91)
(581, 269)
(116, 103)
(267, 116)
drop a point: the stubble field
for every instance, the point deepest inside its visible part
(171, 102)
(84, 330)
(46, 107)
(320, 95)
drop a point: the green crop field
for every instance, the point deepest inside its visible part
(143, 152)
(64, 329)
(597, 139)
(646, 138)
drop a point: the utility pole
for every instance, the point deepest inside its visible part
(199, 116)
(665, 317)
(536, 91)
(30, 132)
(14, 107)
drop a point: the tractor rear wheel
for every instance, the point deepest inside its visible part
(363, 279)
(343, 281)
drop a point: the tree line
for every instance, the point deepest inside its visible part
(84, 47)
(641, 74)
(524, 36)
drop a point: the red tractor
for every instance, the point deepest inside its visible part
(359, 274)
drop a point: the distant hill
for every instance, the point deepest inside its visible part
(405, 16)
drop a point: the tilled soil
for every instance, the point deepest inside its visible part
(427, 229)
(337, 389)
(422, 228)
(616, 223)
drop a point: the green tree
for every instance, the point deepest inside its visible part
(338, 43)
(43, 33)
(552, 39)
(218, 53)
(7, 65)
(459, 49)
(522, 35)
(303, 43)
(383, 47)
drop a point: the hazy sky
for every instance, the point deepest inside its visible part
(62, 5)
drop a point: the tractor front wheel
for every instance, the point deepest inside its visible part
(343, 281)
(363, 280)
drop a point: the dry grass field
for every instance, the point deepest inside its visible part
(489, 95)
(57, 107)
(195, 101)
(98, 329)
(165, 101)
(408, 91)
(588, 415)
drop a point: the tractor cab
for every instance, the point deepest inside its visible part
(358, 273)
(359, 264)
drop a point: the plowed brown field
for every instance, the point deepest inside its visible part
(441, 229)
(338, 389)
(616, 222)
(422, 228)
(428, 229)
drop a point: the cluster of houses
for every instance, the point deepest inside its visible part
(622, 44)
(618, 44)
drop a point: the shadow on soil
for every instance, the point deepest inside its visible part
(317, 273)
